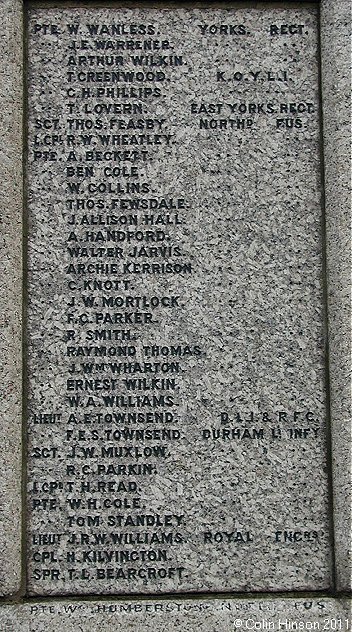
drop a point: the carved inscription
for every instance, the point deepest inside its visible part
(177, 413)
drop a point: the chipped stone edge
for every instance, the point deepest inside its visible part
(336, 88)
(11, 97)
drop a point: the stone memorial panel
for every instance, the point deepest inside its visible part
(177, 414)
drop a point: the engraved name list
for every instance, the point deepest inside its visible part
(176, 415)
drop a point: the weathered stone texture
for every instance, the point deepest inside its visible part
(11, 71)
(336, 89)
(206, 615)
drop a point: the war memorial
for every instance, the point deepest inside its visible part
(176, 318)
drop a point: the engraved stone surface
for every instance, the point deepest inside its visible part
(336, 84)
(11, 295)
(180, 615)
(177, 419)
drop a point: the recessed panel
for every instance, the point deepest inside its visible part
(177, 422)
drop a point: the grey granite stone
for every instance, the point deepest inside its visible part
(195, 232)
(11, 294)
(171, 615)
(336, 83)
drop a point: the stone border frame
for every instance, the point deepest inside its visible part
(335, 81)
